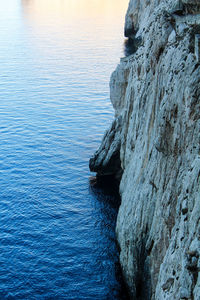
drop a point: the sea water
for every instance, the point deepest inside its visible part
(57, 232)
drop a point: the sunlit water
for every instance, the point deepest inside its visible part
(57, 238)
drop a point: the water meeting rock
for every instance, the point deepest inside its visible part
(155, 141)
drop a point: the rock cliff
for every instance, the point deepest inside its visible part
(153, 146)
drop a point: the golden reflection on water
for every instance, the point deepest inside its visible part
(97, 23)
(76, 9)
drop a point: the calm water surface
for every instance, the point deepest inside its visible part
(57, 236)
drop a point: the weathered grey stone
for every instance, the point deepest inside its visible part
(172, 37)
(168, 284)
(191, 6)
(194, 248)
(184, 207)
(197, 47)
(184, 293)
(178, 8)
(156, 96)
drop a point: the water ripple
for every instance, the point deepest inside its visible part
(57, 238)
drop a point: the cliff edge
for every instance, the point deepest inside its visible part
(153, 147)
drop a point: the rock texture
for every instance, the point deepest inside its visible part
(155, 142)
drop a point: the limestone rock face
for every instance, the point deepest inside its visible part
(156, 135)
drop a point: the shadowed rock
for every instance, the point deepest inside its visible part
(106, 160)
(131, 45)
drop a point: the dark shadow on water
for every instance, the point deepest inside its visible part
(106, 191)
(106, 188)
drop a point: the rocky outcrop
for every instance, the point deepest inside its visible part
(155, 142)
(106, 160)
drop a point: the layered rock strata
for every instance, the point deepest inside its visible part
(153, 146)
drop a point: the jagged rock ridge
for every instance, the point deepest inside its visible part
(155, 142)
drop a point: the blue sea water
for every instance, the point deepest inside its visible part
(57, 232)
